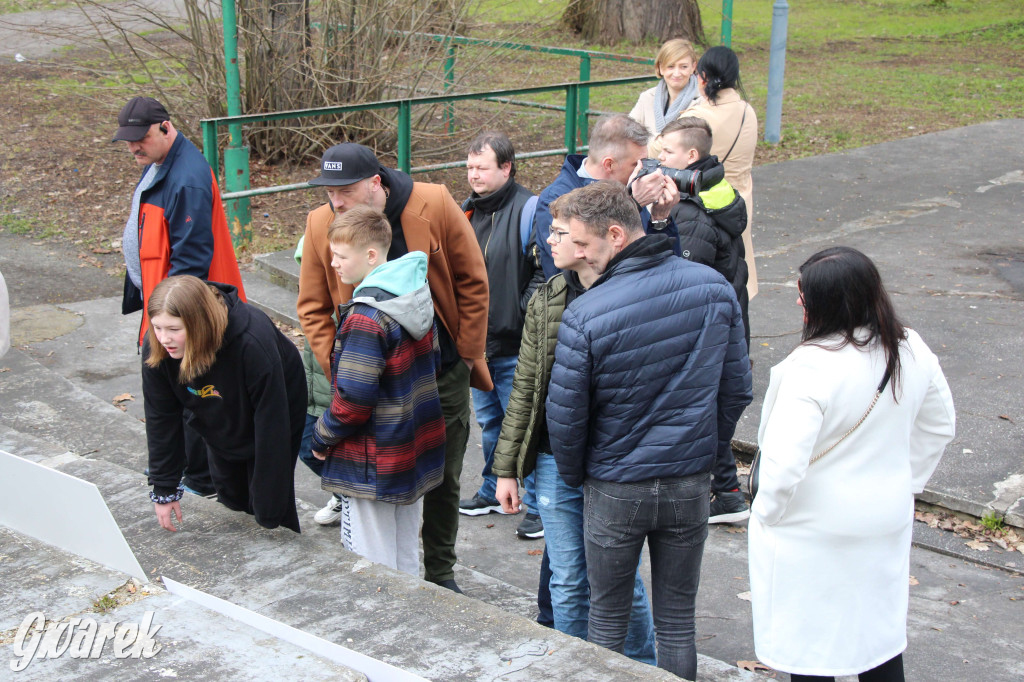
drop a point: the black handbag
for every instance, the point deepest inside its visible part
(753, 481)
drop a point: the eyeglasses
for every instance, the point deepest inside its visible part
(556, 236)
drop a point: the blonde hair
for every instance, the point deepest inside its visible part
(361, 227)
(672, 51)
(204, 315)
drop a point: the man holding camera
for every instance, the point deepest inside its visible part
(617, 143)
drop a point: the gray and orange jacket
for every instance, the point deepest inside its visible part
(182, 229)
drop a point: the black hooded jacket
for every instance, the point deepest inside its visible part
(249, 407)
(711, 225)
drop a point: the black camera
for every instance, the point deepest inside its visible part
(689, 182)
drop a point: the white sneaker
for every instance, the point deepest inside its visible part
(331, 514)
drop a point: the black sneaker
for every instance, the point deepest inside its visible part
(530, 528)
(728, 507)
(449, 585)
(479, 505)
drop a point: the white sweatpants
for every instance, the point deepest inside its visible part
(384, 533)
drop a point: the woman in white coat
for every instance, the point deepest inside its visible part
(830, 541)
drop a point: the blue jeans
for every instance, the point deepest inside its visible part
(561, 511)
(306, 447)
(490, 409)
(671, 514)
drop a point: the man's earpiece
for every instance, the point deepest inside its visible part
(163, 128)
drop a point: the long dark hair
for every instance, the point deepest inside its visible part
(843, 291)
(720, 69)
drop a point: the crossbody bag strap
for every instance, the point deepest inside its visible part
(878, 394)
(738, 132)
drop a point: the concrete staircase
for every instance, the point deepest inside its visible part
(55, 409)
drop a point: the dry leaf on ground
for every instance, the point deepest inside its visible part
(752, 666)
(124, 397)
(745, 596)
(978, 545)
(914, 581)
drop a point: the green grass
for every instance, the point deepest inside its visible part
(992, 521)
(14, 224)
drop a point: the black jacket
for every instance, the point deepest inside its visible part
(711, 226)
(512, 273)
(251, 405)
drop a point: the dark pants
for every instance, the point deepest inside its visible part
(724, 470)
(441, 505)
(197, 466)
(237, 490)
(671, 514)
(890, 671)
(544, 615)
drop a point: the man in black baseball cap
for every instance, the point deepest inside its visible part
(423, 217)
(345, 164)
(176, 226)
(137, 116)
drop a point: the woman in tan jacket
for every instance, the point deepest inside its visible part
(733, 129)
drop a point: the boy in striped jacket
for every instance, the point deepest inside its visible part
(383, 438)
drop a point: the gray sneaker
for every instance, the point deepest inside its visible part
(728, 507)
(479, 505)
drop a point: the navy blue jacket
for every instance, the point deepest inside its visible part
(651, 370)
(566, 182)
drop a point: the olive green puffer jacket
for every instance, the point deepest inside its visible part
(516, 452)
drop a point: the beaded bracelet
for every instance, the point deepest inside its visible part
(167, 499)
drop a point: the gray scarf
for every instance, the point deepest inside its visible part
(665, 111)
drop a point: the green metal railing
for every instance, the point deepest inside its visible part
(577, 108)
(573, 109)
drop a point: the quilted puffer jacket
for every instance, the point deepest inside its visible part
(651, 370)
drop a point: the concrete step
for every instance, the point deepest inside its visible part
(191, 642)
(280, 268)
(45, 411)
(276, 301)
(309, 582)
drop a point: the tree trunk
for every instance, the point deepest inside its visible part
(274, 38)
(611, 21)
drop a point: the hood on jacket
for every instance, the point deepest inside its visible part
(398, 288)
(238, 315)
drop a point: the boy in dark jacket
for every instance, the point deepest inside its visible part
(710, 228)
(710, 224)
(383, 438)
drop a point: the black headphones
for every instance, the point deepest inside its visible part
(163, 128)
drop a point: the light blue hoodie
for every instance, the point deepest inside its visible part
(398, 288)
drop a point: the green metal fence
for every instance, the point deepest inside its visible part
(574, 114)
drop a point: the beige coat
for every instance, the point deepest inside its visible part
(724, 116)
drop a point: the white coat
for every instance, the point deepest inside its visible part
(829, 544)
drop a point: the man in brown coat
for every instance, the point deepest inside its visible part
(423, 217)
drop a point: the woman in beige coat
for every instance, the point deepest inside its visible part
(733, 129)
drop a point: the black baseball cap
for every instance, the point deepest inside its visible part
(137, 116)
(346, 163)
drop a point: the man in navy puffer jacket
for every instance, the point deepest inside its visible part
(651, 373)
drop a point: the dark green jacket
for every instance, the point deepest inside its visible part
(516, 452)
